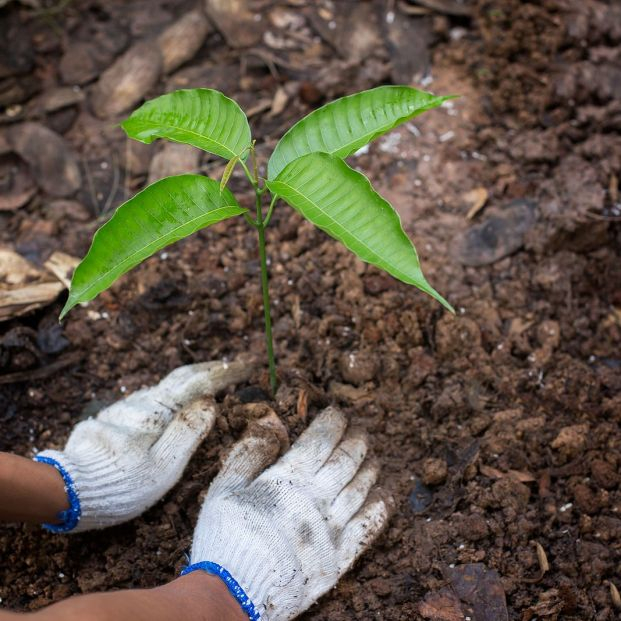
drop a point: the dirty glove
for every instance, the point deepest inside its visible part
(283, 538)
(120, 463)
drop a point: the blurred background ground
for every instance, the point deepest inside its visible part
(498, 429)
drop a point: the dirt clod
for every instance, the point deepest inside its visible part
(571, 440)
(435, 471)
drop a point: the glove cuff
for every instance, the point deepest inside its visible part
(232, 585)
(69, 518)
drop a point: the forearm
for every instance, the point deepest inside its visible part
(195, 597)
(30, 491)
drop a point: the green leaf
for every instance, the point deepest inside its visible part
(341, 202)
(201, 117)
(163, 213)
(228, 171)
(343, 126)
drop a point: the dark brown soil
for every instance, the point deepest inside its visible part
(498, 429)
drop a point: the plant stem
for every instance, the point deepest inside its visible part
(266, 296)
(270, 211)
(253, 181)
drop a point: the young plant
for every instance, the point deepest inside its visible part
(307, 170)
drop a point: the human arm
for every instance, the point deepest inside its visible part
(31, 492)
(195, 597)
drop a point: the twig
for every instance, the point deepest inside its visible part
(43, 372)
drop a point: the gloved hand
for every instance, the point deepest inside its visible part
(283, 538)
(120, 463)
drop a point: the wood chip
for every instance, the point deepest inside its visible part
(481, 588)
(23, 286)
(476, 199)
(302, 405)
(542, 558)
(516, 475)
(261, 106)
(15, 270)
(442, 605)
(36, 374)
(449, 7)
(408, 9)
(14, 303)
(279, 103)
(62, 265)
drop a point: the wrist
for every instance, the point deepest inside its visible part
(69, 518)
(205, 597)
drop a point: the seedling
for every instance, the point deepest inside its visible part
(307, 170)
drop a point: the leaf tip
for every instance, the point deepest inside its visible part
(123, 124)
(66, 308)
(427, 288)
(444, 303)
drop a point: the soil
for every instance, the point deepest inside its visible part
(498, 429)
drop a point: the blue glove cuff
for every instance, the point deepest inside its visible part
(70, 517)
(231, 584)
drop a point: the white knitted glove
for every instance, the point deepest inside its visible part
(119, 464)
(283, 538)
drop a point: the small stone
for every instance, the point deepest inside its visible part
(358, 367)
(252, 394)
(420, 497)
(549, 334)
(62, 210)
(18, 186)
(499, 235)
(91, 49)
(435, 471)
(173, 159)
(236, 21)
(310, 94)
(180, 41)
(127, 81)
(52, 163)
(138, 157)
